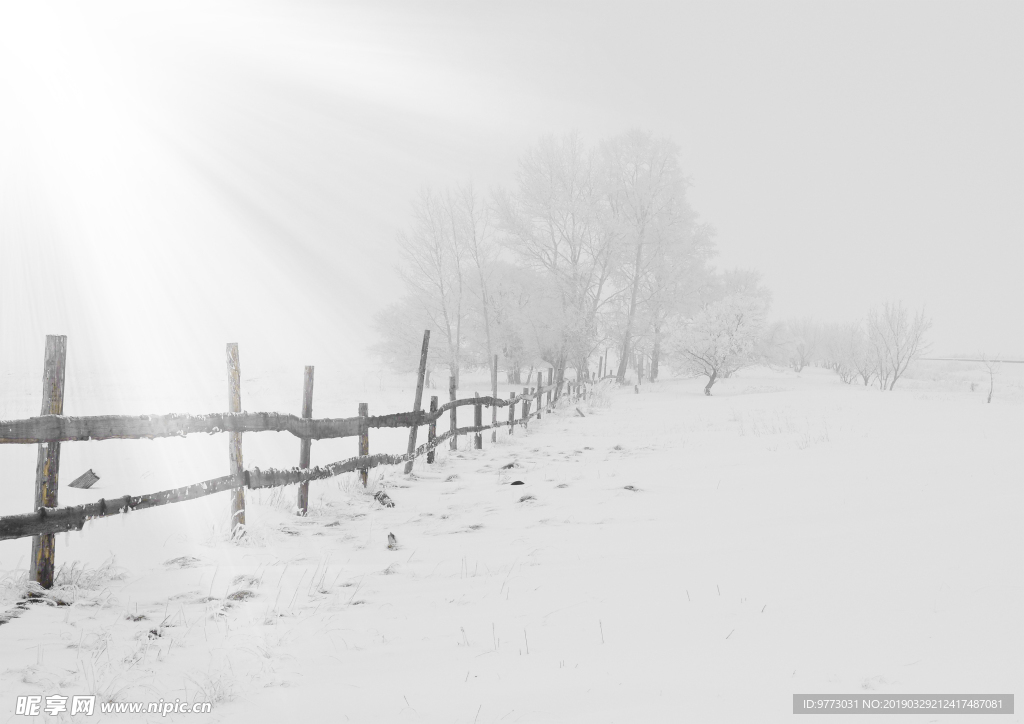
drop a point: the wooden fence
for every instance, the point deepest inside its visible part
(52, 428)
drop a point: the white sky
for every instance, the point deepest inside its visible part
(190, 173)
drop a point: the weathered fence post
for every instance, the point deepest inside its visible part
(478, 421)
(494, 398)
(364, 440)
(527, 391)
(44, 547)
(551, 375)
(235, 441)
(418, 402)
(511, 412)
(305, 444)
(453, 414)
(432, 429)
(540, 393)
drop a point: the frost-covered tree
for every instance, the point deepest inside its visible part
(446, 259)
(720, 339)
(843, 349)
(471, 220)
(679, 275)
(556, 222)
(518, 300)
(896, 339)
(805, 345)
(646, 197)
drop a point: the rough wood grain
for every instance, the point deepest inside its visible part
(237, 522)
(58, 520)
(58, 428)
(364, 441)
(494, 394)
(432, 429)
(453, 411)
(478, 421)
(44, 549)
(305, 444)
(418, 400)
(84, 481)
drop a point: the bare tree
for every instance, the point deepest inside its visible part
(646, 196)
(432, 266)
(805, 342)
(471, 223)
(556, 222)
(897, 339)
(992, 366)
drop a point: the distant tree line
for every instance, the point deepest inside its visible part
(878, 349)
(594, 252)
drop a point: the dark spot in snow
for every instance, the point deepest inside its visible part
(563, 485)
(630, 487)
(509, 466)
(241, 595)
(525, 498)
(518, 482)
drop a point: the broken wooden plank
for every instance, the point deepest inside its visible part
(84, 481)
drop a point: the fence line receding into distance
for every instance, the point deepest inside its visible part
(51, 428)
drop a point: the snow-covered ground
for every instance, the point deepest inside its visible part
(669, 557)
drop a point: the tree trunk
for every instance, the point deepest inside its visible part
(656, 353)
(711, 381)
(621, 377)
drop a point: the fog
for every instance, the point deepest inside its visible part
(178, 175)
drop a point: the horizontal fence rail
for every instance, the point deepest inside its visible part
(57, 428)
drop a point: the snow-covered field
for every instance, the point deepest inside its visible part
(669, 557)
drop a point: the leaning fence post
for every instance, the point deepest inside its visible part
(305, 443)
(418, 402)
(453, 414)
(44, 547)
(527, 391)
(551, 373)
(511, 412)
(364, 440)
(494, 398)
(235, 440)
(432, 429)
